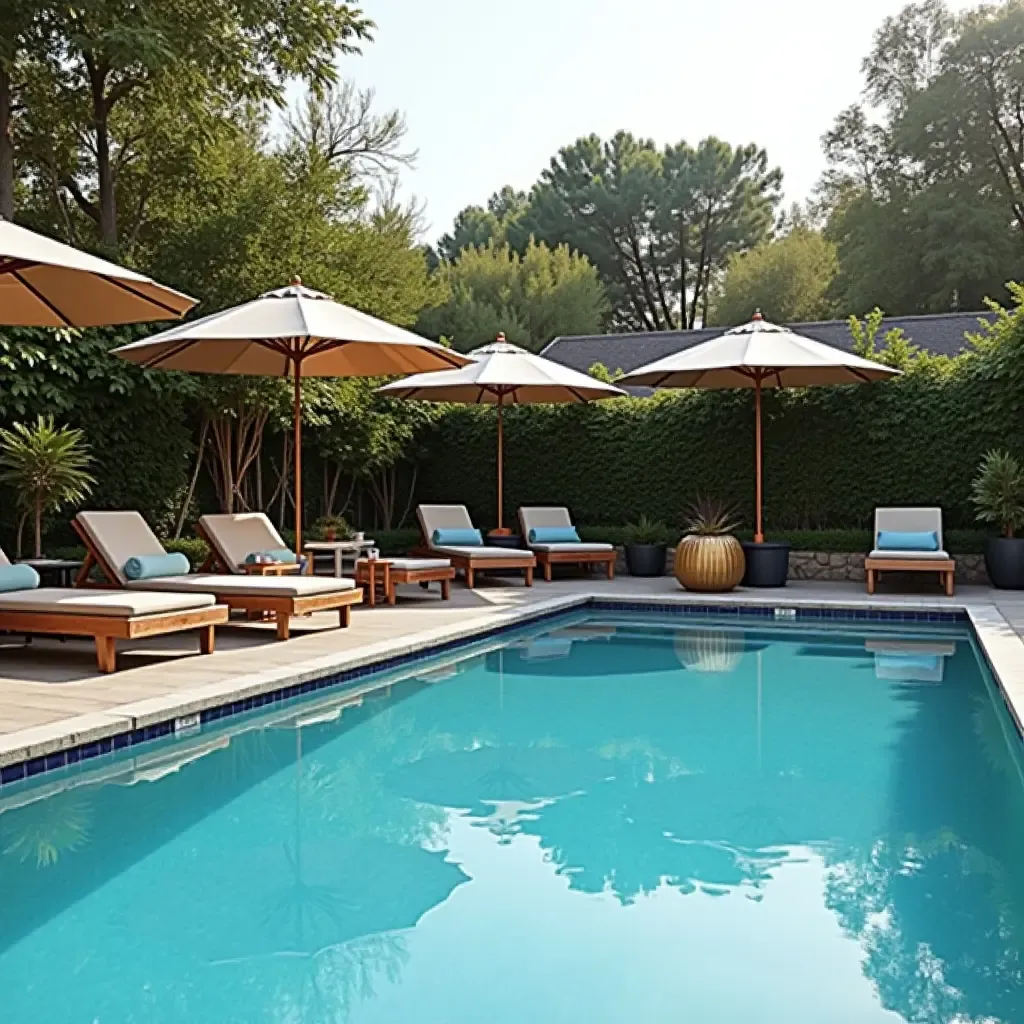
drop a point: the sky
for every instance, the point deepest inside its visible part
(492, 90)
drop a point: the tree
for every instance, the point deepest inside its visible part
(532, 298)
(501, 221)
(787, 280)
(47, 467)
(102, 95)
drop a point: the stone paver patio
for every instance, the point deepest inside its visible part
(51, 695)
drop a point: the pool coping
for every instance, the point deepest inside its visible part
(31, 752)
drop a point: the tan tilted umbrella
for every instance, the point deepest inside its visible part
(44, 283)
(758, 355)
(502, 374)
(291, 332)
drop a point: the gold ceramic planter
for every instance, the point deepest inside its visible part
(709, 650)
(711, 564)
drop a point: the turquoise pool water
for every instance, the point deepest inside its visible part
(608, 819)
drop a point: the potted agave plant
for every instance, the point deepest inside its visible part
(998, 497)
(646, 547)
(709, 558)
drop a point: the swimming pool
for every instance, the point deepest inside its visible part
(607, 817)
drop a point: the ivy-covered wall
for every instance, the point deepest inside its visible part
(832, 454)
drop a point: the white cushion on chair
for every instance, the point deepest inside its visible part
(582, 547)
(884, 554)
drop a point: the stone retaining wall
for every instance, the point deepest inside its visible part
(837, 565)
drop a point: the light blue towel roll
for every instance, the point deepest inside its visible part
(553, 535)
(457, 538)
(151, 567)
(273, 555)
(17, 577)
(897, 540)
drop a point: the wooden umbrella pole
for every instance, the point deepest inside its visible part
(758, 533)
(501, 461)
(297, 413)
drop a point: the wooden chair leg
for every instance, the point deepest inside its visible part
(207, 640)
(950, 583)
(529, 577)
(344, 615)
(547, 572)
(611, 568)
(446, 589)
(469, 577)
(106, 653)
(871, 581)
(284, 625)
(391, 593)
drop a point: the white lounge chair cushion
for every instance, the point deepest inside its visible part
(919, 556)
(247, 586)
(119, 536)
(483, 552)
(124, 604)
(4, 560)
(443, 517)
(413, 564)
(539, 517)
(583, 547)
(910, 520)
(235, 537)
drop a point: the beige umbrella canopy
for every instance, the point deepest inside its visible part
(502, 374)
(291, 332)
(758, 355)
(44, 283)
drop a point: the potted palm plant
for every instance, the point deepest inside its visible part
(47, 468)
(709, 558)
(998, 498)
(646, 546)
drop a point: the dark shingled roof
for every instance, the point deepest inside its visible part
(939, 333)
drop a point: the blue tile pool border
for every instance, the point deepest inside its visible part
(36, 766)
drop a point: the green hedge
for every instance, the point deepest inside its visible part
(832, 454)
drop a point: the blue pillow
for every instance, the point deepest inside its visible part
(273, 555)
(17, 577)
(466, 538)
(151, 567)
(553, 535)
(895, 540)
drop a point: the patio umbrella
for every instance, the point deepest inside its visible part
(502, 374)
(291, 332)
(758, 355)
(44, 283)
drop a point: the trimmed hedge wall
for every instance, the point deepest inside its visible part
(832, 454)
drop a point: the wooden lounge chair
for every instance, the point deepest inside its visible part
(565, 553)
(909, 520)
(108, 617)
(469, 559)
(111, 538)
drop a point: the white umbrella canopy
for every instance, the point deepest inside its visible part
(502, 374)
(758, 355)
(44, 283)
(291, 332)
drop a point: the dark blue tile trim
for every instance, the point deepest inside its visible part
(11, 774)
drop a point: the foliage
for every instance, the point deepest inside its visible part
(47, 468)
(926, 202)
(896, 350)
(601, 372)
(659, 225)
(998, 492)
(337, 525)
(831, 454)
(787, 280)
(710, 517)
(646, 531)
(532, 298)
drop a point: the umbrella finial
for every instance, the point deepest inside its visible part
(757, 315)
(501, 336)
(296, 281)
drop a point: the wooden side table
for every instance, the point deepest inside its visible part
(372, 573)
(269, 568)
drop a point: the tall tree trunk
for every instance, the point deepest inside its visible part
(39, 528)
(104, 170)
(6, 147)
(682, 271)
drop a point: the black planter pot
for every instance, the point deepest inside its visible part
(646, 559)
(1004, 562)
(767, 564)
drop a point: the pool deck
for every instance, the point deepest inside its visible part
(52, 697)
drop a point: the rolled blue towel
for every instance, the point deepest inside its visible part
(151, 567)
(461, 538)
(917, 540)
(553, 535)
(17, 577)
(273, 555)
